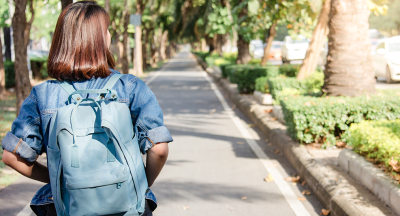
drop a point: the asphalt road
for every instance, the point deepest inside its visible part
(218, 160)
(212, 168)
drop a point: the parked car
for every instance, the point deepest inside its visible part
(275, 52)
(386, 59)
(294, 49)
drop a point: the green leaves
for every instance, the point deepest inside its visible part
(377, 140)
(325, 119)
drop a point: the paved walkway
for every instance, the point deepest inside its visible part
(218, 160)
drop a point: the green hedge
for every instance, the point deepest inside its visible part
(262, 84)
(310, 85)
(10, 74)
(245, 75)
(289, 70)
(377, 140)
(325, 119)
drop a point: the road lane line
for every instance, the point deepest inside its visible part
(291, 198)
(26, 211)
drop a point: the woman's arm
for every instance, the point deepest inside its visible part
(32, 170)
(156, 158)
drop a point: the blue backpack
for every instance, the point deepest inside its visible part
(93, 156)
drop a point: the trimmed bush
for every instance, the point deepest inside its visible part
(262, 84)
(245, 75)
(289, 70)
(10, 74)
(311, 85)
(378, 140)
(224, 70)
(324, 120)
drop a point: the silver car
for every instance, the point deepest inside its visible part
(386, 59)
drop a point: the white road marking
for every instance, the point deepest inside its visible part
(291, 198)
(152, 78)
(26, 211)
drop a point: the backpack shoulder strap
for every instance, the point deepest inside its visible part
(69, 88)
(111, 82)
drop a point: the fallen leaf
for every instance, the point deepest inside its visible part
(240, 143)
(244, 198)
(394, 164)
(301, 198)
(233, 107)
(269, 144)
(277, 152)
(269, 178)
(266, 140)
(251, 125)
(303, 183)
(268, 111)
(336, 179)
(306, 192)
(293, 179)
(325, 212)
(274, 118)
(185, 207)
(294, 183)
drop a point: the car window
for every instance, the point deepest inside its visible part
(380, 46)
(393, 47)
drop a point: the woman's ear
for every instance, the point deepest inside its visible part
(108, 38)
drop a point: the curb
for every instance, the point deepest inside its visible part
(371, 177)
(331, 188)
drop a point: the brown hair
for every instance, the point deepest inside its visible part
(79, 50)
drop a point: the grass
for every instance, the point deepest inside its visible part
(7, 116)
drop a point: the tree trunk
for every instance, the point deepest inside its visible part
(28, 25)
(203, 45)
(125, 61)
(349, 65)
(2, 73)
(234, 32)
(107, 6)
(313, 54)
(270, 39)
(7, 43)
(243, 51)
(65, 3)
(211, 44)
(22, 82)
(163, 45)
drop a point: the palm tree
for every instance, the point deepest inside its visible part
(349, 68)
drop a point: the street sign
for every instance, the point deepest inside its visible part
(136, 20)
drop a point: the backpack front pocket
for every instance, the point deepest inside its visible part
(99, 193)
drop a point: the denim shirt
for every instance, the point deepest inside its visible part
(28, 137)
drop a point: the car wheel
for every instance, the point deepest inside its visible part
(388, 76)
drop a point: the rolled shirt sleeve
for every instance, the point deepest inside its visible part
(148, 118)
(25, 138)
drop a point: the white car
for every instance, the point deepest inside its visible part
(294, 49)
(386, 59)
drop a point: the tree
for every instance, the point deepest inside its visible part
(310, 62)
(125, 17)
(292, 12)
(23, 85)
(4, 16)
(349, 67)
(65, 3)
(138, 66)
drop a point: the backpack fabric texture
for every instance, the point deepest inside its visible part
(94, 159)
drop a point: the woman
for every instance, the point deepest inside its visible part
(80, 54)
